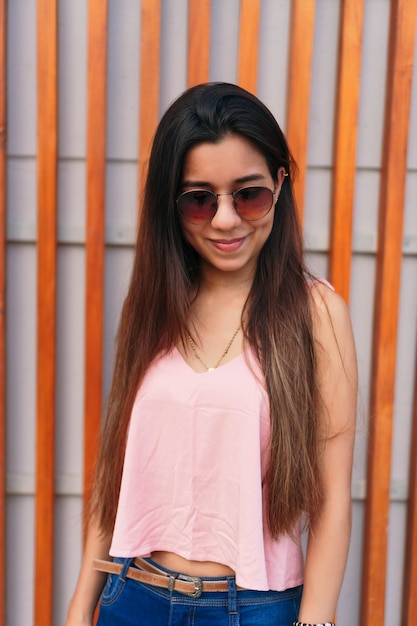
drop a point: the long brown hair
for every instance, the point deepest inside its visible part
(166, 272)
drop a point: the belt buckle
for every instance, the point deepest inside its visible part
(198, 585)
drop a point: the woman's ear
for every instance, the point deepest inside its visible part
(281, 174)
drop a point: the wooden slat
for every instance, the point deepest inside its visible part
(199, 41)
(409, 610)
(3, 257)
(149, 82)
(389, 257)
(250, 15)
(346, 131)
(299, 79)
(95, 233)
(46, 313)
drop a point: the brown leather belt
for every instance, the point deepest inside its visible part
(192, 586)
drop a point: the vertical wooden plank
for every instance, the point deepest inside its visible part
(250, 15)
(95, 232)
(46, 313)
(3, 258)
(409, 609)
(389, 257)
(149, 82)
(299, 80)
(199, 41)
(346, 131)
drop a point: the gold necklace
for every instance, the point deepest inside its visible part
(197, 356)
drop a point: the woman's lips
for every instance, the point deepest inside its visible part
(228, 245)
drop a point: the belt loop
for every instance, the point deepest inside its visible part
(232, 601)
(125, 567)
(171, 583)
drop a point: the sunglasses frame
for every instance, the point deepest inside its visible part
(229, 193)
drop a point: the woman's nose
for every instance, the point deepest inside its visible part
(226, 216)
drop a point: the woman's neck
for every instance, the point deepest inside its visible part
(216, 282)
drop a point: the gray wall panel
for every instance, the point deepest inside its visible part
(123, 79)
(224, 40)
(70, 360)
(323, 85)
(21, 358)
(274, 56)
(19, 555)
(72, 77)
(373, 83)
(21, 77)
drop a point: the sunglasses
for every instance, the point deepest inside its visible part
(199, 206)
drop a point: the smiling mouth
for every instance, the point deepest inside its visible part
(228, 242)
(229, 245)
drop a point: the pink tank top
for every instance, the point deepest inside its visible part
(192, 480)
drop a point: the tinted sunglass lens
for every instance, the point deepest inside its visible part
(200, 205)
(252, 203)
(197, 206)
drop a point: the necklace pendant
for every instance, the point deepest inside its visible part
(197, 356)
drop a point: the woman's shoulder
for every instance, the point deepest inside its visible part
(319, 282)
(329, 308)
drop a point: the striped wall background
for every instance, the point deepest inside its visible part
(82, 86)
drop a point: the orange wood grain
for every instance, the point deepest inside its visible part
(345, 139)
(250, 15)
(409, 609)
(149, 83)
(299, 80)
(3, 256)
(47, 18)
(95, 233)
(389, 258)
(199, 41)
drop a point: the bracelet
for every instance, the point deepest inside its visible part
(302, 624)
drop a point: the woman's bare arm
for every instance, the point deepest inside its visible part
(90, 582)
(329, 534)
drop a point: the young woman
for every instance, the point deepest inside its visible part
(232, 412)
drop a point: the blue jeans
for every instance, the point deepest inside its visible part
(126, 602)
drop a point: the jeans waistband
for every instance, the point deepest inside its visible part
(148, 572)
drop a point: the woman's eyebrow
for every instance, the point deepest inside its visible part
(242, 179)
(194, 183)
(250, 178)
